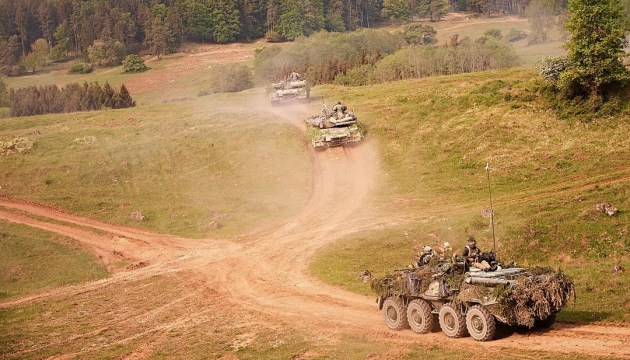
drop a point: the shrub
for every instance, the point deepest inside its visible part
(418, 34)
(80, 68)
(230, 78)
(495, 33)
(515, 35)
(322, 56)
(357, 76)
(550, 68)
(134, 64)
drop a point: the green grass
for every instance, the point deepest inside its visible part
(35, 260)
(547, 175)
(182, 165)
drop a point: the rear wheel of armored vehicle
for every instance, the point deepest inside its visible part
(480, 323)
(419, 316)
(452, 322)
(395, 314)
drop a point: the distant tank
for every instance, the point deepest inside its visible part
(469, 300)
(333, 128)
(290, 90)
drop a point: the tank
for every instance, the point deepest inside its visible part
(471, 301)
(329, 129)
(288, 91)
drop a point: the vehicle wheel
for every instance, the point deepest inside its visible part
(480, 323)
(394, 313)
(419, 316)
(452, 322)
(547, 323)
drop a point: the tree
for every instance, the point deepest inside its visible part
(542, 18)
(38, 55)
(418, 34)
(4, 95)
(290, 23)
(133, 64)
(123, 99)
(596, 48)
(396, 10)
(226, 20)
(106, 52)
(59, 52)
(334, 16)
(156, 37)
(434, 9)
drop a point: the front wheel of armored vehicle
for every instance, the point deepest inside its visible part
(480, 323)
(395, 314)
(545, 324)
(419, 316)
(452, 322)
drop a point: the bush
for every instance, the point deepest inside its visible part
(106, 53)
(495, 33)
(134, 64)
(229, 78)
(80, 68)
(322, 56)
(550, 68)
(515, 35)
(357, 76)
(418, 34)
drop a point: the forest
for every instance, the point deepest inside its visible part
(35, 31)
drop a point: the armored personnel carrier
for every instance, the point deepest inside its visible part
(331, 128)
(469, 300)
(289, 91)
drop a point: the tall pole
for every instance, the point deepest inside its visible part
(494, 240)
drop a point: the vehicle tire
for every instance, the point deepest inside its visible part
(545, 324)
(395, 314)
(419, 316)
(452, 322)
(480, 323)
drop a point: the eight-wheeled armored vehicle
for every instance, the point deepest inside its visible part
(469, 300)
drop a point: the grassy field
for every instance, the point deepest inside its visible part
(547, 176)
(182, 165)
(35, 260)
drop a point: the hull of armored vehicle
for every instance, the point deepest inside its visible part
(473, 301)
(338, 136)
(286, 92)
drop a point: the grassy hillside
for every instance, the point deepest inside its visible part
(436, 136)
(182, 165)
(35, 260)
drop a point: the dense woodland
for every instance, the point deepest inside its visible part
(35, 31)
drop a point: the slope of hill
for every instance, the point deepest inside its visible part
(547, 177)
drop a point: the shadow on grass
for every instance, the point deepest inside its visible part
(580, 316)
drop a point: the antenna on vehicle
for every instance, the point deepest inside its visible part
(494, 240)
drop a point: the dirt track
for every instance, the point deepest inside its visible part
(259, 279)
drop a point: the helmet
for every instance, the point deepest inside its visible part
(427, 249)
(338, 102)
(472, 241)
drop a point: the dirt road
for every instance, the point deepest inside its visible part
(257, 280)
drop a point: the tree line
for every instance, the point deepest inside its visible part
(48, 99)
(34, 31)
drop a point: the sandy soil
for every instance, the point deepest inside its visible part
(264, 274)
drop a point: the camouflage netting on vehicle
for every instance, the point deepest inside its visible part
(536, 296)
(410, 282)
